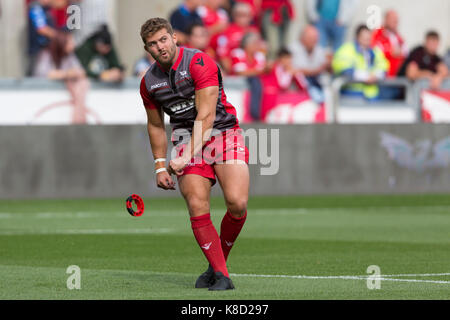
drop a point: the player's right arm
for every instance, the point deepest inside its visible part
(158, 142)
(158, 139)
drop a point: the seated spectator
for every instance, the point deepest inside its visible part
(280, 79)
(275, 20)
(231, 38)
(391, 43)
(99, 58)
(184, 16)
(250, 61)
(59, 62)
(312, 61)
(41, 29)
(361, 62)
(142, 65)
(424, 63)
(331, 17)
(198, 38)
(214, 17)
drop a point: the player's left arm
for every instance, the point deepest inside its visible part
(204, 72)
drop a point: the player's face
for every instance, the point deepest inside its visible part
(162, 46)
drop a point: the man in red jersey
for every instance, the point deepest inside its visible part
(231, 38)
(391, 43)
(187, 85)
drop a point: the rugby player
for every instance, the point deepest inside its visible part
(187, 85)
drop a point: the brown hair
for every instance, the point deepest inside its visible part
(57, 47)
(152, 26)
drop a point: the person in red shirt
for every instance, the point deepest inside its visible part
(187, 85)
(250, 61)
(282, 76)
(391, 43)
(231, 38)
(214, 17)
(59, 12)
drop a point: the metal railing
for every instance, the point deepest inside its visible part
(413, 91)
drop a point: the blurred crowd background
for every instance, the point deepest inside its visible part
(277, 45)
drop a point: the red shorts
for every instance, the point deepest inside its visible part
(219, 149)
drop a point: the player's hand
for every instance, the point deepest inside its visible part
(165, 181)
(177, 165)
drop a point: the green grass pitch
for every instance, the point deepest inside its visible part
(290, 248)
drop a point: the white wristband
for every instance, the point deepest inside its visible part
(160, 170)
(160, 160)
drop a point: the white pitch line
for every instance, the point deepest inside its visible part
(415, 275)
(362, 277)
(88, 231)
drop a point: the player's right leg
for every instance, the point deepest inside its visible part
(196, 192)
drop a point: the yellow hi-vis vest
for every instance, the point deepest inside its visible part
(348, 58)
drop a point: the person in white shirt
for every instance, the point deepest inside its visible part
(311, 60)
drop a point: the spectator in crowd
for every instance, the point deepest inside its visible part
(214, 17)
(41, 29)
(59, 62)
(275, 19)
(93, 17)
(331, 17)
(198, 38)
(99, 58)
(256, 8)
(231, 38)
(310, 59)
(249, 61)
(424, 62)
(391, 43)
(142, 65)
(59, 13)
(184, 16)
(362, 63)
(280, 79)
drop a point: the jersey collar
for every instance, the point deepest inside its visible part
(180, 56)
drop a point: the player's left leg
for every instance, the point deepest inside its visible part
(234, 180)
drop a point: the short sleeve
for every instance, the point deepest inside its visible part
(37, 17)
(147, 100)
(415, 56)
(204, 71)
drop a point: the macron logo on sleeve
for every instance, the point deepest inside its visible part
(200, 61)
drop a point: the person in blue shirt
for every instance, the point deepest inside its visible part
(40, 30)
(185, 16)
(331, 18)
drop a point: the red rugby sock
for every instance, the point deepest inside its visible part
(229, 231)
(209, 241)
